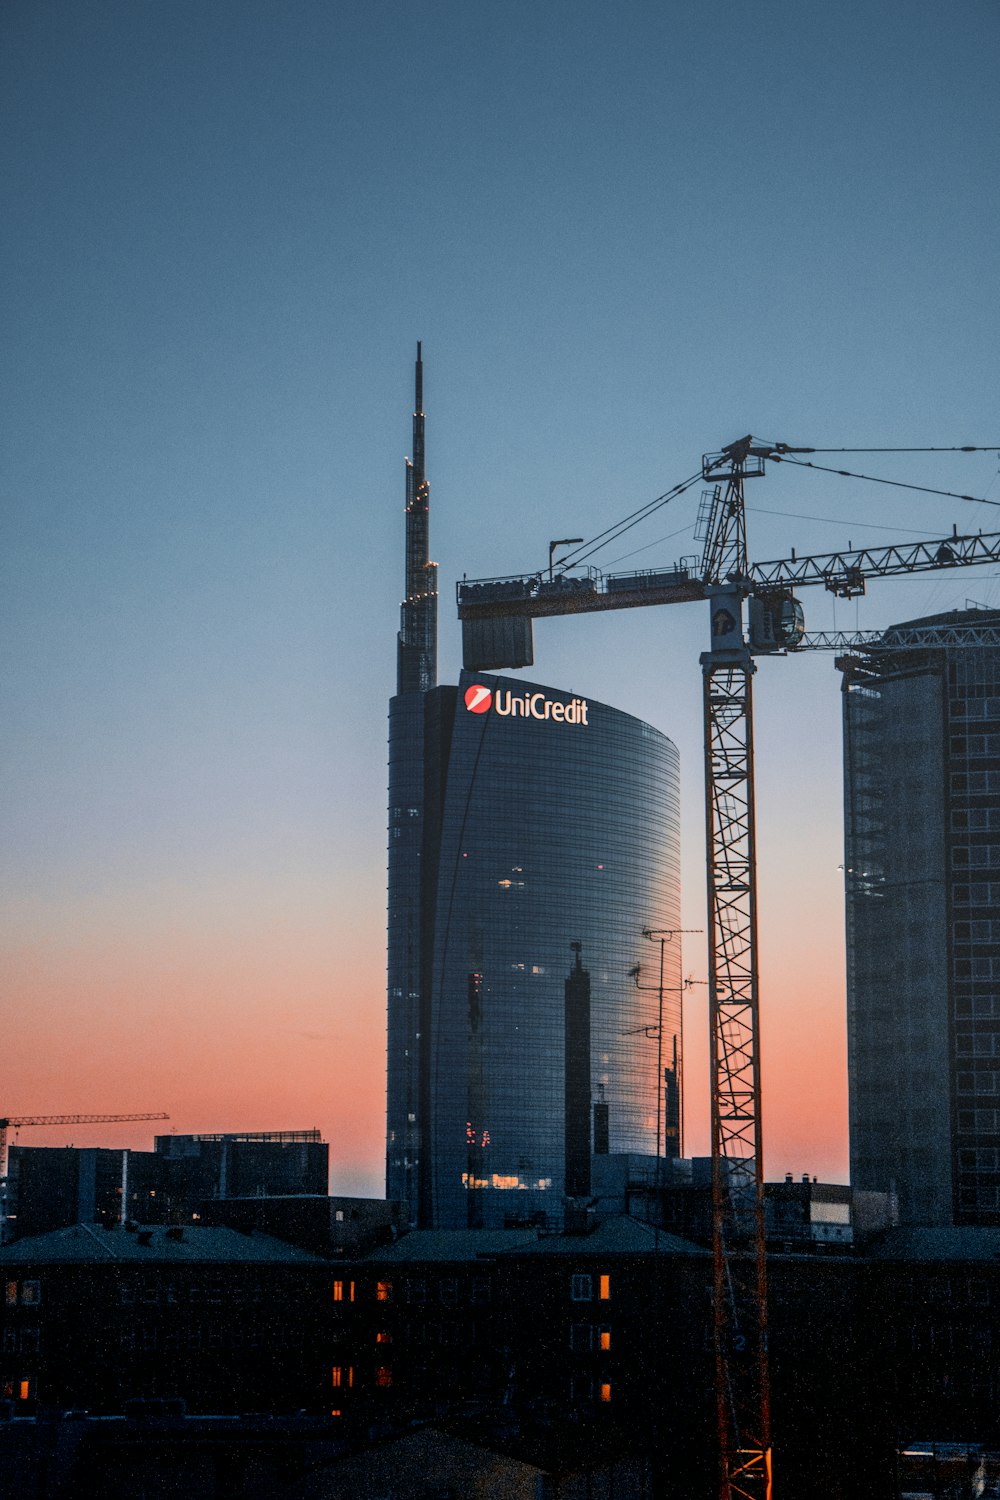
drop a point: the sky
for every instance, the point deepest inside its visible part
(626, 235)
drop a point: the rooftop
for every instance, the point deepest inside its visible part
(612, 1236)
(91, 1243)
(955, 1243)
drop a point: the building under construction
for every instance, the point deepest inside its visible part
(922, 777)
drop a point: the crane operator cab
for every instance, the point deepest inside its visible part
(777, 622)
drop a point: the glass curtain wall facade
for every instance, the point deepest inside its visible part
(922, 823)
(533, 835)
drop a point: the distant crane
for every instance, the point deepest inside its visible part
(7, 1124)
(752, 612)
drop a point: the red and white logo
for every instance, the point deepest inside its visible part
(478, 699)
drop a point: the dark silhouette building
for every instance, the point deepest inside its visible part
(51, 1187)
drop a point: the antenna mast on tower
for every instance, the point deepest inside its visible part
(416, 670)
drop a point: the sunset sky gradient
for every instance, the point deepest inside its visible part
(626, 234)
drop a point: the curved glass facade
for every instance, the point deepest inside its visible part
(533, 835)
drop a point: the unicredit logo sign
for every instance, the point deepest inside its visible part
(479, 700)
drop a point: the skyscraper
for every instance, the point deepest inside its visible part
(533, 834)
(922, 777)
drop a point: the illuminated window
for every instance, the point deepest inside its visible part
(581, 1288)
(11, 1293)
(338, 1375)
(336, 1412)
(383, 1291)
(338, 1291)
(31, 1293)
(605, 1390)
(604, 1338)
(383, 1338)
(383, 1377)
(605, 1288)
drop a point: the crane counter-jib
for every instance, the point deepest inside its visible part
(532, 601)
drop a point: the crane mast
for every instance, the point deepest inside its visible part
(739, 1264)
(752, 612)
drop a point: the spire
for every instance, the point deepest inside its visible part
(416, 661)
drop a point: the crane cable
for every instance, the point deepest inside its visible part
(965, 448)
(801, 463)
(612, 533)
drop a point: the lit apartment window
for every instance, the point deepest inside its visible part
(343, 1291)
(383, 1338)
(605, 1390)
(338, 1376)
(604, 1339)
(11, 1293)
(383, 1291)
(336, 1412)
(605, 1288)
(383, 1377)
(581, 1288)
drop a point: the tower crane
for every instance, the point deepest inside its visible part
(8, 1124)
(752, 612)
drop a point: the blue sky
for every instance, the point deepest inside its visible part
(626, 234)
